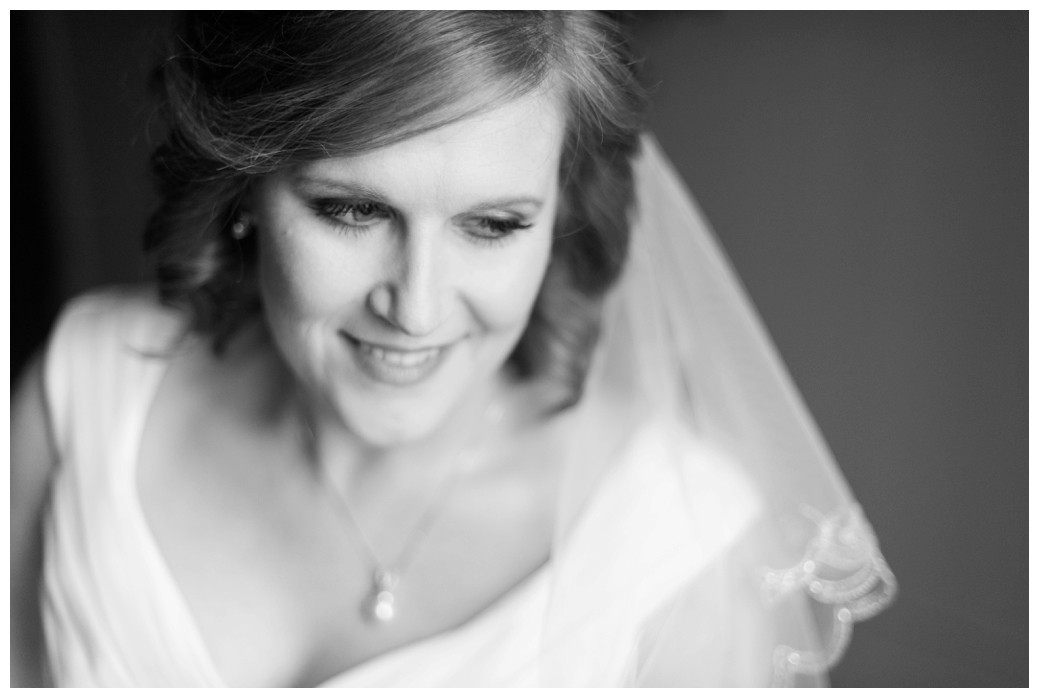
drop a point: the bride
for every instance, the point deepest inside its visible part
(442, 381)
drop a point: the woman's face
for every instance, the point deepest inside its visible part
(397, 282)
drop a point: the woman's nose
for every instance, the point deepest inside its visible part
(411, 296)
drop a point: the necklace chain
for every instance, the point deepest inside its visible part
(380, 604)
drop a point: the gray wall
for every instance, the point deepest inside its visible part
(867, 174)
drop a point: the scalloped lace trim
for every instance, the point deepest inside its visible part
(842, 568)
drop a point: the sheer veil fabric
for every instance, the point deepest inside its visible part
(759, 583)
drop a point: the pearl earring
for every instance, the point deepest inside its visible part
(239, 228)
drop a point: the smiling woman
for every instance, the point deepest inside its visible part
(393, 416)
(396, 283)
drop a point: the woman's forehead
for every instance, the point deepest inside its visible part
(510, 151)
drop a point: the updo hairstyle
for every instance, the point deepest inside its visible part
(246, 94)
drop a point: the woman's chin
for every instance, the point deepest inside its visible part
(392, 435)
(386, 428)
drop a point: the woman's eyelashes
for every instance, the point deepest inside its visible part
(489, 230)
(352, 215)
(360, 216)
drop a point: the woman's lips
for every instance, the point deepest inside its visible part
(393, 366)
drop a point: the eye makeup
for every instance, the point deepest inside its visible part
(354, 207)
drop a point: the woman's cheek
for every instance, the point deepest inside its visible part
(509, 291)
(307, 281)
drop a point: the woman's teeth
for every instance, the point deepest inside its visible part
(404, 359)
(395, 366)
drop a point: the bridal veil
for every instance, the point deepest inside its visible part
(777, 595)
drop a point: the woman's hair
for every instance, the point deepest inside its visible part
(246, 94)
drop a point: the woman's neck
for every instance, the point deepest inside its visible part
(343, 457)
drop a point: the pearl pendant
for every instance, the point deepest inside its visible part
(381, 605)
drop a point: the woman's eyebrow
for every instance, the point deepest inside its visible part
(340, 186)
(362, 190)
(509, 202)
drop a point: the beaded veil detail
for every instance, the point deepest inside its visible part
(843, 569)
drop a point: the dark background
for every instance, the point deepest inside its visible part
(866, 172)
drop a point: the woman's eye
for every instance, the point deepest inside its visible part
(355, 214)
(490, 229)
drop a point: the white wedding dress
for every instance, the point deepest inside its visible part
(115, 617)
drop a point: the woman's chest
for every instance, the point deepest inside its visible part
(277, 574)
(279, 583)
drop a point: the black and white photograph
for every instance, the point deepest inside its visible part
(484, 348)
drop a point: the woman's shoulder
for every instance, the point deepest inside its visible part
(708, 483)
(696, 455)
(117, 323)
(101, 345)
(648, 451)
(669, 507)
(116, 307)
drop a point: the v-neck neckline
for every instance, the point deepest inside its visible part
(172, 600)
